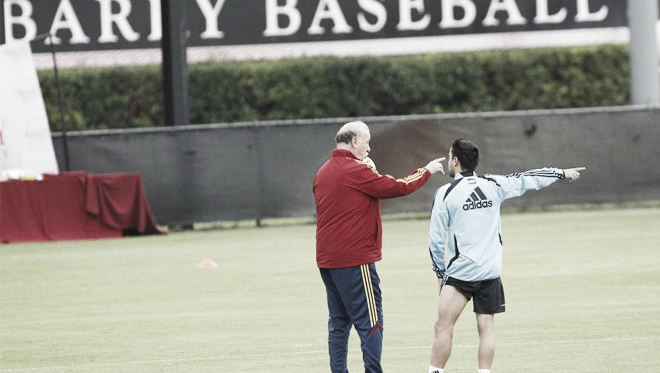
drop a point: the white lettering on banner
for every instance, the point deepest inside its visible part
(375, 8)
(66, 18)
(119, 19)
(156, 21)
(448, 19)
(583, 14)
(288, 10)
(542, 15)
(508, 6)
(329, 9)
(211, 14)
(283, 18)
(406, 8)
(24, 18)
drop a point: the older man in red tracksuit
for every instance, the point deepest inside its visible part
(348, 241)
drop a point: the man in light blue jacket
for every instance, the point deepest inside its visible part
(465, 242)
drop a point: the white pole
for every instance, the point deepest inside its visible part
(644, 60)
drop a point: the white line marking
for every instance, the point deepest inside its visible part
(271, 354)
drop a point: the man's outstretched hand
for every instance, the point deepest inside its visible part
(436, 166)
(573, 174)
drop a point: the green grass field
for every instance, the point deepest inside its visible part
(583, 295)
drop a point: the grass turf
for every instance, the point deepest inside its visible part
(583, 295)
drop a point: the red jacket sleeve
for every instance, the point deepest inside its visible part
(370, 182)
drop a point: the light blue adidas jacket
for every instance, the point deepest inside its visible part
(465, 231)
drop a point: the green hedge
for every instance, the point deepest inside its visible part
(326, 87)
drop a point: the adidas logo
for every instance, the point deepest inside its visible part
(477, 200)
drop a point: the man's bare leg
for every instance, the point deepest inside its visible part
(486, 327)
(451, 304)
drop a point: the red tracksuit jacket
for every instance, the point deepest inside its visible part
(349, 227)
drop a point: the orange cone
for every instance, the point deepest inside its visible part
(207, 263)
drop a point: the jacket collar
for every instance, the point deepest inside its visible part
(342, 153)
(461, 175)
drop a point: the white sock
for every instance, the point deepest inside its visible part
(483, 371)
(433, 369)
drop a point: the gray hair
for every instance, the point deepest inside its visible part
(345, 137)
(350, 130)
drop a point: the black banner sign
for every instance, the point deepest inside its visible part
(86, 25)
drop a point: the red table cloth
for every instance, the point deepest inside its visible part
(74, 206)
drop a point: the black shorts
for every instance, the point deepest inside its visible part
(488, 294)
